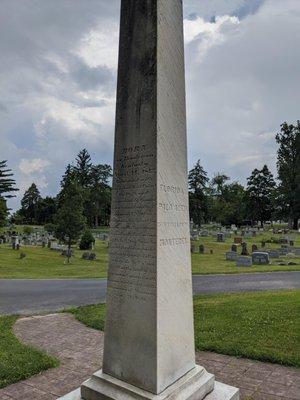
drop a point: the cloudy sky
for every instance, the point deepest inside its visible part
(58, 75)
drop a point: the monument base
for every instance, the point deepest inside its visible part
(198, 384)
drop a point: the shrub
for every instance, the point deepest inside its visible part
(87, 239)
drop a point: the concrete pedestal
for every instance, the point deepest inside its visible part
(196, 385)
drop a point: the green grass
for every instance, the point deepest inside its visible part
(43, 263)
(17, 361)
(216, 263)
(263, 326)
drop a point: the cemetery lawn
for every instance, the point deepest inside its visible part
(216, 263)
(17, 361)
(263, 326)
(43, 263)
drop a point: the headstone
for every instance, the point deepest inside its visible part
(283, 251)
(14, 241)
(201, 249)
(85, 256)
(292, 243)
(260, 258)
(220, 237)
(149, 332)
(244, 249)
(193, 248)
(254, 248)
(238, 240)
(234, 248)
(231, 256)
(243, 261)
(273, 253)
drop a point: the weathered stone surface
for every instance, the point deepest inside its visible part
(149, 330)
(196, 384)
(149, 334)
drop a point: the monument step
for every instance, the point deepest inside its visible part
(220, 392)
(194, 385)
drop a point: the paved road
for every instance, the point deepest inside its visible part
(33, 296)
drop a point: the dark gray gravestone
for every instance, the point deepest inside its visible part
(260, 258)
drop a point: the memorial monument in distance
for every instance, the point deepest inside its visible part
(149, 334)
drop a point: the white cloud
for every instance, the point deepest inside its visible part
(100, 47)
(209, 34)
(28, 167)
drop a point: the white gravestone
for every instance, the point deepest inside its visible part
(149, 334)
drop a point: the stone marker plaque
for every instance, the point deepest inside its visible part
(244, 261)
(149, 333)
(231, 256)
(260, 258)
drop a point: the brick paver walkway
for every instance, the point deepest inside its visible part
(80, 351)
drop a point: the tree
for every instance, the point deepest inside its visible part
(83, 168)
(197, 194)
(99, 196)
(219, 181)
(70, 220)
(260, 195)
(7, 183)
(46, 210)
(198, 178)
(3, 212)
(7, 188)
(228, 201)
(30, 204)
(288, 170)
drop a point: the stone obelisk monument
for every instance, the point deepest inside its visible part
(149, 334)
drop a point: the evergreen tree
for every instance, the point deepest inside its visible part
(7, 188)
(260, 195)
(7, 183)
(83, 168)
(198, 178)
(288, 170)
(30, 204)
(70, 220)
(99, 197)
(197, 195)
(3, 211)
(46, 210)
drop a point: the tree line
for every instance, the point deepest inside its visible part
(85, 193)
(263, 199)
(84, 181)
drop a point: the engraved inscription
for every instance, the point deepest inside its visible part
(173, 241)
(132, 273)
